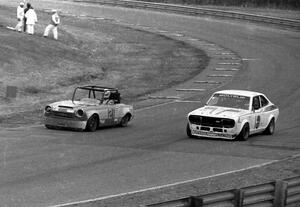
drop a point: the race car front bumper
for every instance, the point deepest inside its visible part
(213, 132)
(64, 123)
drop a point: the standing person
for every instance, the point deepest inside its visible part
(55, 21)
(20, 17)
(28, 5)
(31, 19)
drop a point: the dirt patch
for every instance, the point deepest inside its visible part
(89, 51)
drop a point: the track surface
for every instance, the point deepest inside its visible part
(42, 167)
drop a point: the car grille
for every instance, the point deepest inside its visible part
(212, 121)
(63, 114)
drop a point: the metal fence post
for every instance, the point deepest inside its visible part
(196, 201)
(280, 194)
(239, 197)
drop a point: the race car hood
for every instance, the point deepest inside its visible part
(223, 112)
(74, 104)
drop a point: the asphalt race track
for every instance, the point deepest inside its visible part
(41, 167)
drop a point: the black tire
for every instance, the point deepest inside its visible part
(92, 123)
(244, 134)
(270, 128)
(124, 121)
(188, 131)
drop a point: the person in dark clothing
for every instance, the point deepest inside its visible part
(28, 6)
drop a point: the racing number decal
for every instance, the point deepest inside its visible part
(111, 113)
(257, 122)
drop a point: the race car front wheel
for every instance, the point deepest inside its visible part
(188, 131)
(244, 134)
(92, 123)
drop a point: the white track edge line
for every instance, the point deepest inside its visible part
(154, 106)
(187, 101)
(172, 184)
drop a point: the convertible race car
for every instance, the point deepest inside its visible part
(233, 114)
(91, 107)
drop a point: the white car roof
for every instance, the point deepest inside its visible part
(240, 92)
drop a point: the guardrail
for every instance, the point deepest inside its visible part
(280, 193)
(197, 11)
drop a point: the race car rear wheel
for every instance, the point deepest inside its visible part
(188, 131)
(92, 123)
(125, 120)
(270, 128)
(244, 134)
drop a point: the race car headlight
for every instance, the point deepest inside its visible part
(79, 113)
(195, 119)
(48, 109)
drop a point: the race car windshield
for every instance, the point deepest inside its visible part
(87, 95)
(230, 101)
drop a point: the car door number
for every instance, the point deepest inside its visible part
(111, 113)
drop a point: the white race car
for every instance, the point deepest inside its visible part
(90, 108)
(233, 114)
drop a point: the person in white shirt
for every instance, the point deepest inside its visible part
(20, 17)
(31, 19)
(55, 21)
